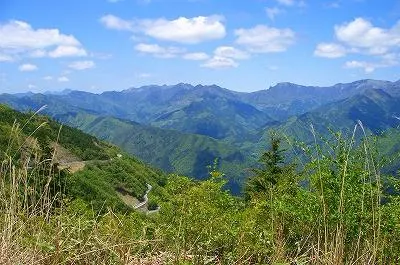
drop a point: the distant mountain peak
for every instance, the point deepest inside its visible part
(285, 85)
(62, 92)
(185, 86)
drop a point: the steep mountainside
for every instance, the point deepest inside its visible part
(209, 110)
(375, 108)
(206, 110)
(105, 170)
(287, 99)
(170, 150)
(239, 121)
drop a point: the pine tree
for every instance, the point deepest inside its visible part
(271, 171)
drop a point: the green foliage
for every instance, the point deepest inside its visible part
(200, 217)
(334, 210)
(99, 183)
(16, 126)
(27, 139)
(172, 151)
(273, 173)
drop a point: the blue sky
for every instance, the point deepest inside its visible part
(243, 45)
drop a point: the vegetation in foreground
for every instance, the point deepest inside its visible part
(332, 210)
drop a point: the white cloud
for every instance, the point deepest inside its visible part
(81, 65)
(264, 39)
(5, 58)
(30, 86)
(19, 34)
(48, 78)
(220, 62)
(159, 51)
(182, 30)
(361, 34)
(272, 12)
(368, 67)
(27, 67)
(19, 38)
(230, 52)
(67, 51)
(38, 54)
(330, 50)
(186, 30)
(114, 22)
(386, 61)
(196, 56)
(224, 57)
(63, 79)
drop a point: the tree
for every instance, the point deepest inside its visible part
(272, 170)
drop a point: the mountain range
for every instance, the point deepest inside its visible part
(183, 128)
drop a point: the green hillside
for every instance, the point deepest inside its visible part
(173, 151)
(105, 169)
(318, 214)
(376, 109)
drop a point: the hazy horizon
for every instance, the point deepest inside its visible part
(194, 85)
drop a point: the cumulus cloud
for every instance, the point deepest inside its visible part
(67, 51)
(159, 51)
(63, 79)
(186, 30)
(27, 67)
(368, 67)
(220, 62)
(20, 38)
(48, 78)
(360, 36)
(225, 57)
(81, 65)
(196, 56)
(114, 22)
(330, 50)
(264, 39)
(182, 30)
(360, 33)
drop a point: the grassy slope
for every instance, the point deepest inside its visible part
(104, 174)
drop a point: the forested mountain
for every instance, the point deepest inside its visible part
(101, 170)
(339, 194)
(376, 109)
(170, 150)
(183, 128)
